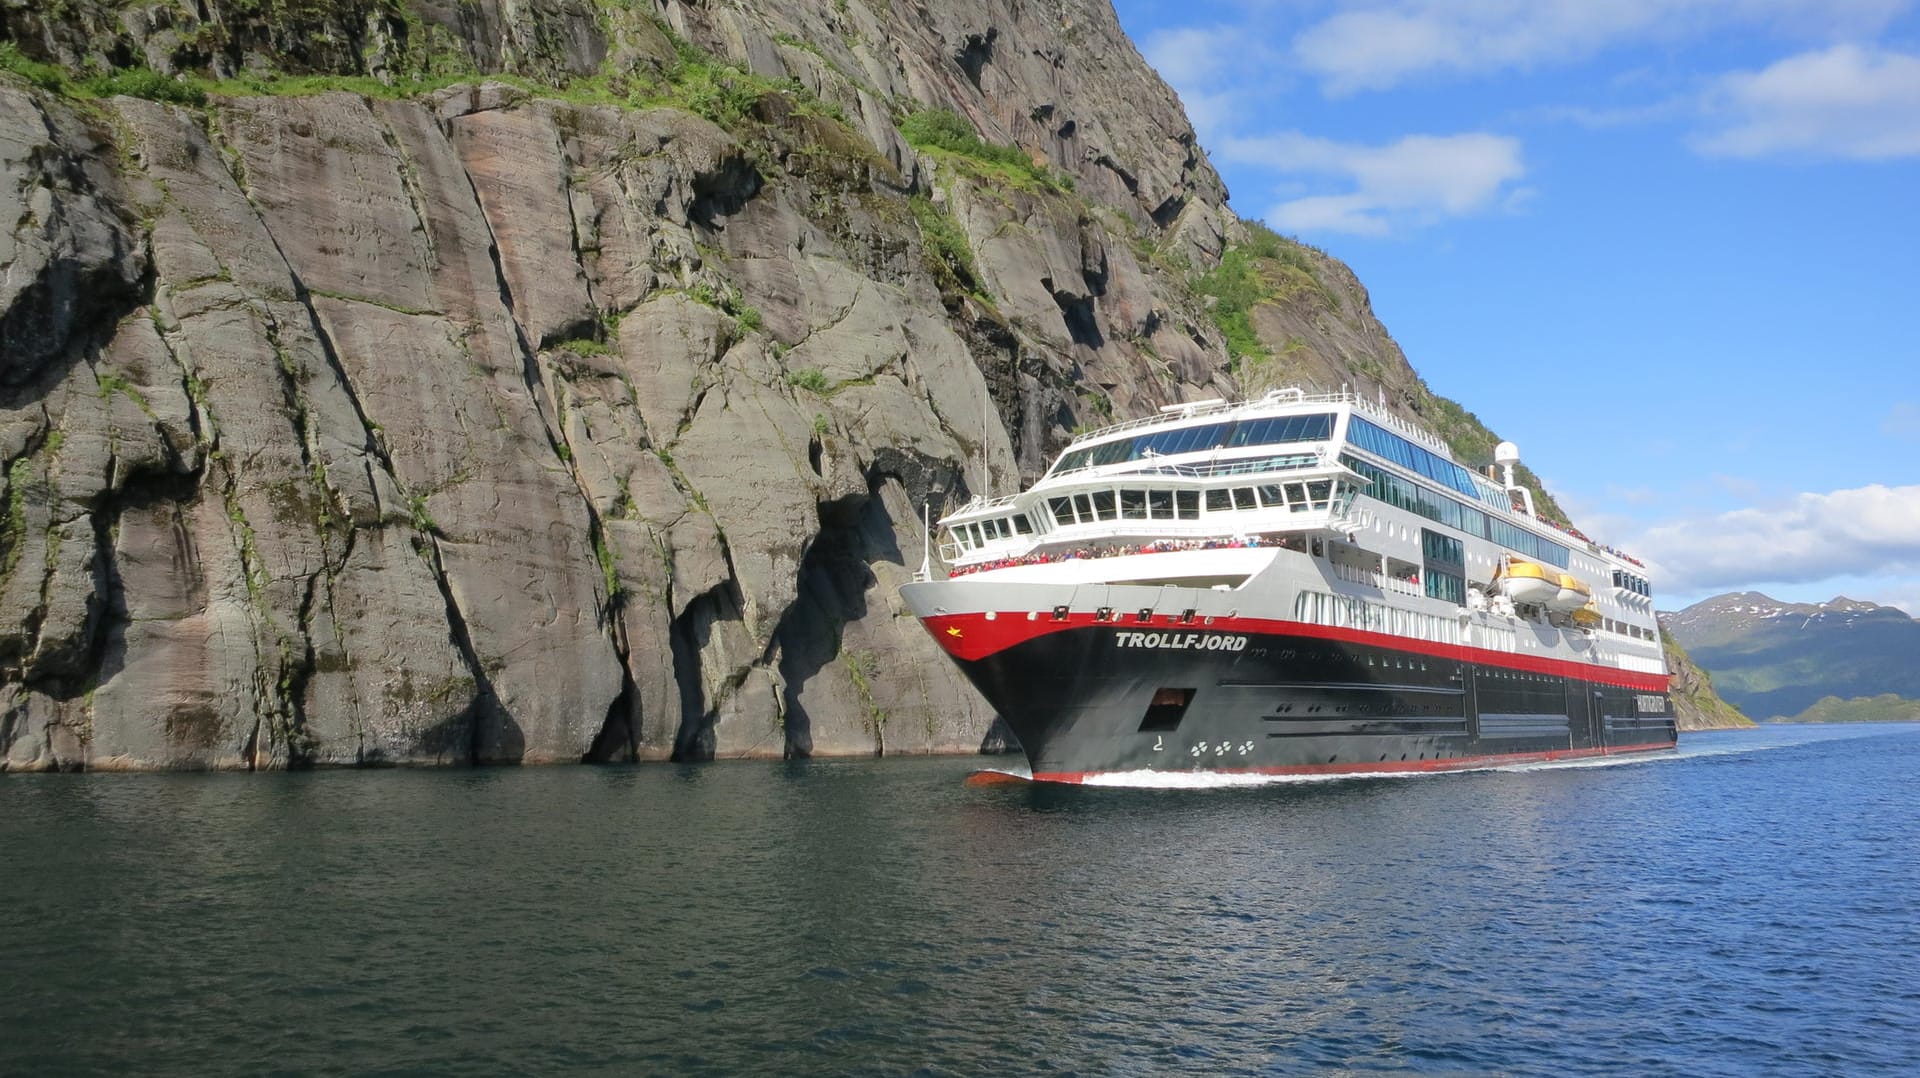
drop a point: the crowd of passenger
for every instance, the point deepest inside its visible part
(1111, 550)
(1582, 536)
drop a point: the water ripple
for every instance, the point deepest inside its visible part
(1740, 907)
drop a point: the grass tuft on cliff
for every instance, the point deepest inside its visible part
(1267, 268)
(945, 249)
(945, 132)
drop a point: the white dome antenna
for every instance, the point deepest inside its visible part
(1506, 455)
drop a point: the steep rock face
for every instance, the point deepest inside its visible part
(486, 426)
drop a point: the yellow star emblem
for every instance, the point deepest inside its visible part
(953, 630)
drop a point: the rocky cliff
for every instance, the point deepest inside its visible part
(398, 381)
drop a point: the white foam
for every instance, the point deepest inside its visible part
(1720, 743)
(1219, 780)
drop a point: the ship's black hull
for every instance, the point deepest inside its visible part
(1105, 698)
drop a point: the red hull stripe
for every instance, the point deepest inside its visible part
(1458, 764)
(975, 635)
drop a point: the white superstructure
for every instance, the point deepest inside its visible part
(1319, 508)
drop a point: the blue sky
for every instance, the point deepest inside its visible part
(1669, 247)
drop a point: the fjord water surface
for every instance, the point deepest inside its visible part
(1743, 907)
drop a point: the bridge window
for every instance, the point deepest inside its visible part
(1277, 429)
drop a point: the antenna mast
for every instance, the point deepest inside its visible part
(926, 544)
(986, 419)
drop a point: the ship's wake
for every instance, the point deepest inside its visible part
(1692, 747)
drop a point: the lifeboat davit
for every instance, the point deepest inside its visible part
(1571, 595)
(1525, 582)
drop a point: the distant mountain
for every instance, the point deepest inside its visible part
(1772, 659)
(1883, 708)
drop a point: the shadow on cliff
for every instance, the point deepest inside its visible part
(482, 735)
(834, 581)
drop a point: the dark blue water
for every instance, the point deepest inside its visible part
(1747, 908)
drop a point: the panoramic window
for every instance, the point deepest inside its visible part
(1276, 430)
(1160, 504)
(1103, 505)
(1406, 494)
(1133, 505)
(1384, 443)
(1270, 431)
(1188, 503)
(1219, 501)
(1270, 496)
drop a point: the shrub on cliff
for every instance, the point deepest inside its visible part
(948, 132)
(45, 76)
(147, 83)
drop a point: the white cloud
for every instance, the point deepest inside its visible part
(1413, 180)
(1905, 595)
(1379, 44)
(1193, 55)
(1871, 531)
(1845, 101)
(1220, 72)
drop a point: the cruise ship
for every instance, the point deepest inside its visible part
(1297, 584)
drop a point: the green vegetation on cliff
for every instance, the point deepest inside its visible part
(1267, 268)
(945, 132)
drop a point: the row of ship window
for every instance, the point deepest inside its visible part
(1131, 503)
(1635, 584)
(1384, 443)
(1274, 430)
(1415, 498)
(1322, 608)
(1625, 629)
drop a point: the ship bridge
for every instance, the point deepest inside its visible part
(1198, 475)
